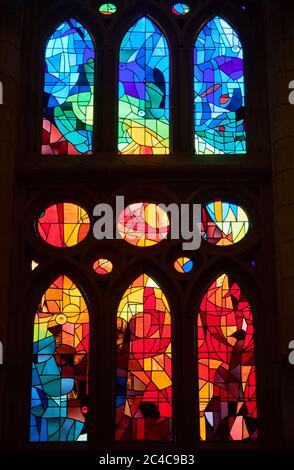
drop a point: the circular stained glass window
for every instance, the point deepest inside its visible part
(107, 9)
(103, 266)
(224, 223)
(63, 225)
(183, 265)
(180, 9)
(143, 224)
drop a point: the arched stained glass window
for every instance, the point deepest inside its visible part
(219, 90)
(144, 89)
(59, 395)
(68, 91)
(226, 365)
(144, 369)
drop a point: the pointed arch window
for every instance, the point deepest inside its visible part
(68, 91)
(59, 397)
(226, 364)
(144, 370)
(219, 90)
(144, 90)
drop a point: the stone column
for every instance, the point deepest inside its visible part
(10, 20)
(280, 45)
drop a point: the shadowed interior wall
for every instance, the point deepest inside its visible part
(280, 46)
(10, 61)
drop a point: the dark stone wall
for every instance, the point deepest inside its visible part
(10, 61)
(280, 45)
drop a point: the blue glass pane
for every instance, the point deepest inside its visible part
(219, 90)
(144, 81)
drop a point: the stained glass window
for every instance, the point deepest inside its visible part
(63, 225)
(59, 399)
(224, 223)
(107, 9)
(68, 91)
(183, 265)
(144, 82)
(226, 365)
(180, 9)
(219, 90)
(143, 224)
(225, 351)
(103, 266)
(144, 369)
(34, 265)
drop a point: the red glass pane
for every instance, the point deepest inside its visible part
(227, 380)
(144, 369)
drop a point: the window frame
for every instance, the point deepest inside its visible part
(34, 175)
